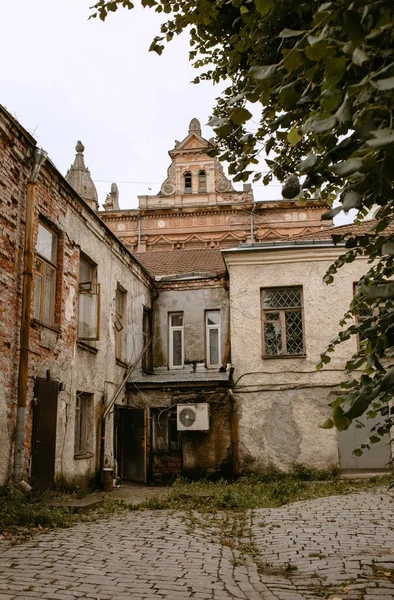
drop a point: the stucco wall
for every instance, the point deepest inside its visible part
(193, 301)
(282, 401)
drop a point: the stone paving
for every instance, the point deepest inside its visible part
(338, 547)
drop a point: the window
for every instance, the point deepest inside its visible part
(83, 419)
(45, 276)
(202, 181)
(282, 322)
(89, 301)
(165, 436)
(120, 307)
(212, 323)
(176, 340)
(147, 359)
(376, 313)
(188, 183)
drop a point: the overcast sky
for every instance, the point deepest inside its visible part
(67, 78)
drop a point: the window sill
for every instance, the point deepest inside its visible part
(121, 363)
(280, 356)
(83, 456)
(36, 323)
(87, 347)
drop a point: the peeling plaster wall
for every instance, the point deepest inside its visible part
(279, 421)
(88, 367)
(204, 454)
(193, 301)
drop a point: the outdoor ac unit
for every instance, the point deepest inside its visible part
(193, 417)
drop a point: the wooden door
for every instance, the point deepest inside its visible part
(44, 435)
(131, 444)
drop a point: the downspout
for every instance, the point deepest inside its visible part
(27, 284)
(127, 374)
(234, 432)
(139, 231)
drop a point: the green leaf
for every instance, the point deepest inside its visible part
(351, 200)
(293, 60)
(328, 424)
(322, 125)
(359, 57)
(240, 115)
(341, 422)
(287, 33)
(383, 137)
(384, 84)
(293, 137)
(335, 69)
(348, 166)
(262, 73)
(307, 164)
(288, 96)
(264, 6)
(357, 452)
(317, 51)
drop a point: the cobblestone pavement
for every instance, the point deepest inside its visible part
(338, 547)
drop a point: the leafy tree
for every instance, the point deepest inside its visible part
(322, 74)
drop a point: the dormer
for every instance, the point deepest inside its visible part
(193, 171)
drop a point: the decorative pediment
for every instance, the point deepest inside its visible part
(193, 142)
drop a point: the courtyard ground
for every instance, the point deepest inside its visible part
(332, 547)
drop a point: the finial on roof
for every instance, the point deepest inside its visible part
(195, 126)
(80, 179)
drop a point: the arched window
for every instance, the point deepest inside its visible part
(202, 181)
(188, 183)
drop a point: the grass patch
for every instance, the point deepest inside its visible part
(267, 491)
(23, 515)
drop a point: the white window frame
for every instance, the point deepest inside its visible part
(171, 330)
(208, 329)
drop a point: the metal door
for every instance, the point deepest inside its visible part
(44, 435)
(131, 444)
(375, 459)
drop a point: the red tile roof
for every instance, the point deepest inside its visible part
(166, 263)
(326, 233)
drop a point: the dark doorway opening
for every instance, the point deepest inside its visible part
(44, 435)
(131, 453)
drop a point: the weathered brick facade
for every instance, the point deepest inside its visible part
(55, 352)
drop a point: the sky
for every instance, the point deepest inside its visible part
(69, 78)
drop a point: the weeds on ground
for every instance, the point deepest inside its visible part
(268, 490)
(23, 515)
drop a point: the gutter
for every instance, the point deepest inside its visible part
(283, 245)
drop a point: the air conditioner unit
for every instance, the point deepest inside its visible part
(193, 417)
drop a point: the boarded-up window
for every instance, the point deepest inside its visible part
(83, 424)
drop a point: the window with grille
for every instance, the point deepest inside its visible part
(283, 333)
(376, 313)
(89, 301)
(83, 420)
(175, 340)
(202, 181)
(45, 276)
(212, 336)
(188, 183)
(119, 323)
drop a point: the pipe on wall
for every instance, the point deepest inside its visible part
(27, 285)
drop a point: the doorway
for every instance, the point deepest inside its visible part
(131, 444)
(44, 435)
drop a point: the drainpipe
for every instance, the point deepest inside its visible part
(27, 283)
(234, 432)
(139, 231)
